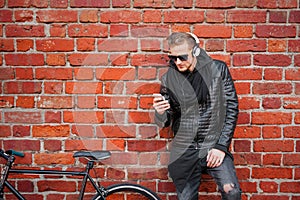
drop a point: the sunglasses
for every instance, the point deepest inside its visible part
(180, 57)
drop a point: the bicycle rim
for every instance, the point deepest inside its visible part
(128, 191)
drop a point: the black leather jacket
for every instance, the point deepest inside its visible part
(204, 126)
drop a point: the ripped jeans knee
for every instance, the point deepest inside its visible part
(231, 192)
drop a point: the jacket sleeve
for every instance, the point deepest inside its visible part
(231, 113)
(164, 119)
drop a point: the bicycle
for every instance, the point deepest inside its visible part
(139, 192)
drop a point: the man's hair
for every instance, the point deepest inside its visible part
(179, 38)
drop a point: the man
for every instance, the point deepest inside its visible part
(199, 101)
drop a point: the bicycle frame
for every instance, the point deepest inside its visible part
(85, 174)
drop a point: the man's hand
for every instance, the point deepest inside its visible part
(160, 105)
(215, 158)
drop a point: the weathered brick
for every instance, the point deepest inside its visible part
(51, 131)
(277, 45)
(243, 31)
(213, 31)
(271, 118)
(59, 3)
(55, 102)
(56, 59)
(88, 16)
(271, 172)
(25, 102)
(294, 16)
(278, 16)
(90, 3)
(90, 117)
(24, 59)
(183, 16)
(276, 31)
(271, 103)
(258, 45)
(53, 87)
(271, 88)
(5, 131)
(24, 15)
(47, 16)
(273, 74)
(24, 30)
(272, 60)
(127, 102)
(152, 4)
(246, 16)
(6, 101)
(55, 45)
(294, 46)
(19, 87)
(114, 45)
(152, 16)
(215, 16)
(115, 73)
(140, 117)
(23, 117)
(24, 45)
(149, 60)
(58, 30)
(56, 73)
(6, 16)
(116, 131)
(121, 4)
(246, 73)
(77, 59)
(50, 159)
(215, 4)
(24, 73)
(121, 16)
(7, 73)
(87, 30)
(84, 87)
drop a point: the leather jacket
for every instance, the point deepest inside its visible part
(203, 126)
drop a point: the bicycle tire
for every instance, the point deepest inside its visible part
(127, 189)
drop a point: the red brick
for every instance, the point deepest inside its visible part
(271, 118)
(271, 172)
(290, 187)
(272, 60)
(24, 59)
(6, 16)
(86, 102)
(7, 45)
(242, 88)
(215, 4)
(121, 4)
(51, 131)
(57, 73)
(22, 87)
(83, 130)
(278, 17)
(148, 173)
(88, 59)
(272, 159)
(246, 4)
(291, 159)
(250, 187)
(53, 87)
(58, 30)
(277, 31)
(145, 145)
(246, 45)
(247, 132)
(25, 102)
(119, 59)
(116, 131)
(24, 73)
(277, 4)
(248, 103)
(150, 45)
(55, 45)
(139, 117)
(50, 159)
(84, 73)
(152, 4)
(271, 103)
(87, 30)
(243, 31)
(277, 45)
(294, 45)
(5, 131)
(22, 117)
(59, 3)
(115, 116)
(142, 88)
(88, 16)
(271, 132)
(273, 146)
(24, 30)
(183, 16)
(116, 174)
(147, 132)
(90, 3)
(241, 59)
(89, 117)
(77, 145)
(86, 44)
(56, 59)
(213, 31)
(242, 146)
(55, 102)
(215, 16)
(120, 30)
(294, 16)
(246, 16)
(113, 45)
(149, 60)
(84, 87)
(291, 103)
(246, 73)
(115, 74)
(47, 16)
(21, 131)
(141, 31)
(147, 73)
(292, 74)
(53, 117)
(152, 16)
(24, 45)
(127, 102)
(7, 73)
(22, 145)
(269, 186)
(121, 16)
(291, 132)
(24, 15)
(272, 88)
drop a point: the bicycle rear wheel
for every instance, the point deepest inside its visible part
(128, 191)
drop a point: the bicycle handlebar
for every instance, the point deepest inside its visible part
(10, 152)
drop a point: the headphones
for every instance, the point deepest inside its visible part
(196, 49)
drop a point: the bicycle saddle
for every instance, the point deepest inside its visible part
(96, 155)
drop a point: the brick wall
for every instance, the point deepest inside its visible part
(79, 75)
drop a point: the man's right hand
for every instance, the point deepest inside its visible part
(159, 104)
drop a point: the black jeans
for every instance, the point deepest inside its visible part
(223, 175)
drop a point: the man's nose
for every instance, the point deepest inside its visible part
(178, 61)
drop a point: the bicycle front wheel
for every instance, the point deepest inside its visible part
(128, 191)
